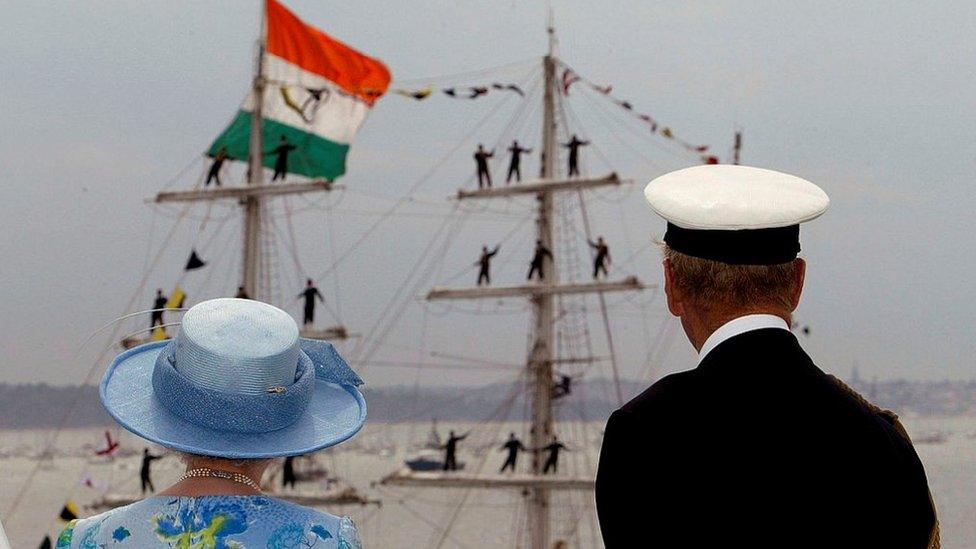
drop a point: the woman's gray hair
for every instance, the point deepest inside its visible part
(713, 285)
(196, 459)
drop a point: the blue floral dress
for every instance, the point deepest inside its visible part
(211, 522)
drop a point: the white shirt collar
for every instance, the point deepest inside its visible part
(738, 326)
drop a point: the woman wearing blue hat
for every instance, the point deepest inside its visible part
(236, 388)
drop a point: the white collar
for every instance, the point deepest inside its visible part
(738, 326)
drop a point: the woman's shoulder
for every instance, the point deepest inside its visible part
(108, 526)
(302, 521)
(286, 510)
(162, 520)
(299, 521)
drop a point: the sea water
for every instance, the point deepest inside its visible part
(414, 517)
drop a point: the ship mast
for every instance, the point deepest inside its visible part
(252, 195)
(539, 364)
(255, 176)
(540, 359)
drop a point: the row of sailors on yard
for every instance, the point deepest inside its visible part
(284, 148)
(601, 260)
(481, 156)
(309, 294)
(513, 446)
(280, 152)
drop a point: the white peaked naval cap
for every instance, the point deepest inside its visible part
(735, 214)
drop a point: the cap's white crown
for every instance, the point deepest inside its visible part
(727, 197)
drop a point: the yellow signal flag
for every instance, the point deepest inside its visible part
(69, 512)
(176, 298)
(158, 334)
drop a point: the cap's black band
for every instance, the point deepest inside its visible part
(741, 247)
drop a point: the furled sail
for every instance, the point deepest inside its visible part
(317, 94)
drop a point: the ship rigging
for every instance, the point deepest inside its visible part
(560, 348)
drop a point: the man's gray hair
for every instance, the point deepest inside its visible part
(713, 285)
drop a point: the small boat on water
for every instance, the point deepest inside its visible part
(429, 460)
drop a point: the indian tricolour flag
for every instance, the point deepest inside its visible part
(317, 94)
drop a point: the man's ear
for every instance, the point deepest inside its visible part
(799, 276)
(675, 303)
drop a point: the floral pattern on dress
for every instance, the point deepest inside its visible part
(120, 533)
(64, 539)
(296, 535)
(203, 526)
(88, 538)
(211, 522)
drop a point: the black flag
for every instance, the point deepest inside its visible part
(194, 262)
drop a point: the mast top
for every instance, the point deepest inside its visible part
(551, 30)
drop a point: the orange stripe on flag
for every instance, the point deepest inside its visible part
(313, 50)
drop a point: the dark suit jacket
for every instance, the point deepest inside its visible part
(757, 447)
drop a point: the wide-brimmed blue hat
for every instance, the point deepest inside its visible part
(236, 382)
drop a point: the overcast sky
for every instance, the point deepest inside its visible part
(105, 103)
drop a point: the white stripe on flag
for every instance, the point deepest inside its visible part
(335, 116)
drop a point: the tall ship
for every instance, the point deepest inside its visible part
(550, 296)
(309, 95)
(289, 141)
(567, 287)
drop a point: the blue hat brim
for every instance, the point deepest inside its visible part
(335, 413)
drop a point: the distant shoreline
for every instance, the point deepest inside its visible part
(31, 406)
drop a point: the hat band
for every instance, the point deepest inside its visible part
(238, 412)
(740, 247)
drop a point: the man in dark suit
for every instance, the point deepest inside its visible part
(756, 447)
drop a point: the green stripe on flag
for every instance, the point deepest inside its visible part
(315, 156)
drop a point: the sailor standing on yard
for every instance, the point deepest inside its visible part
(515, 165)
(756, 447)
(218, 162)
(481, 157)
(310, 293)
(552, 462)
(602, 258)
(281, 158)
(537, 265)
(513, 446)
(574, 144)
(485, 263)
(450, 451)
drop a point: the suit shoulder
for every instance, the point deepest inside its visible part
(666, 393)
(852, 402)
